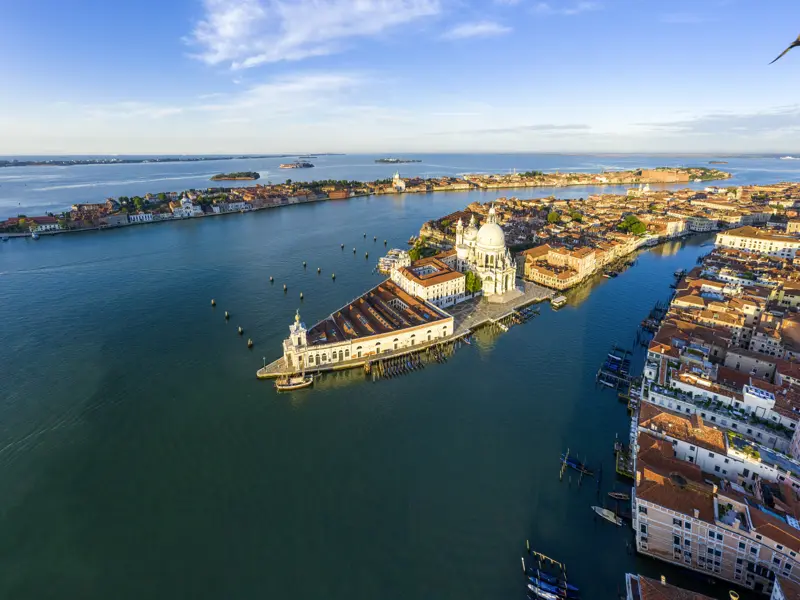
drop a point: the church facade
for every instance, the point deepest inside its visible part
(483, 251)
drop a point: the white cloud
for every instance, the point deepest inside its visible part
(246, 33)
(476, 29)
(548, 8)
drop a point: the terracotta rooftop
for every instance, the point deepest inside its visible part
(651, 589)
(675, 425)
(669, 482)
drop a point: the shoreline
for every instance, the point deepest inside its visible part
(365, 189)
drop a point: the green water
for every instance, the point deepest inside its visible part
(141, 458)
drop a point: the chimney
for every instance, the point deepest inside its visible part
(696, 513)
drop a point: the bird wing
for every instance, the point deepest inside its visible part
(794, 44)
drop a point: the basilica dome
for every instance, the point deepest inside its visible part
(470, 233)
(491, 235)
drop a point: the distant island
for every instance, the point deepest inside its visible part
(397, 161)
(718, 162)
(298, 164)
(114, 160)
(238, 176)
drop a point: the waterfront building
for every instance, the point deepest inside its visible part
(140, 218)
(758, 240)
(639, 587)
(397, 183)
(681, 516)
(185, 208)
(559, 268)
(483, 251)
(43, 224)
(384, 319)
(394, 259)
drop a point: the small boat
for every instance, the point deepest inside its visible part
(5, 238)
(551, 579)
(540, 593)
(35, 235)
(619, 495)
(608, 515)
(553, 588)
(576, 464)
(294, 382)
(606, 275)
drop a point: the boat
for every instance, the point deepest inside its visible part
(540, 593)
(558, 301)
(789, 158)
(294, 382)
(558, 588)
(551, 579)
(606, 275)
(5, 238)
(608, 515)
(576, 464)
(680, 273)
(619, 495)
(35, 235)
(298, 164)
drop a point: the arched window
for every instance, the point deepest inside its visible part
(413, 338)
(429, 335)
(311, 359)
(341, 356)
(347, 353)
(358, 352)
(395, 343)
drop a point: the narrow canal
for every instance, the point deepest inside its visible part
(141, 458)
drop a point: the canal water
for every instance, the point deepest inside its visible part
(140, 457)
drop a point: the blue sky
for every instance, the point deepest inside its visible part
(252, 76)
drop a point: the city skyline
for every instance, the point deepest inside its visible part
(261, 76)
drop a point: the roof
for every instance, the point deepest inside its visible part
(760, 234)
(383, 309)
(679, 427)
(650, 589)
(790, 589)
(669, 482)
(440, 272)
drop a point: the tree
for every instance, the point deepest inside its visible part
(162, 197)
(138, 203)
(553, 217)
(288, 182)
(473, 283)
(576, 216)
(632, 225)
(415, 253)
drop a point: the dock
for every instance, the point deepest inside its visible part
(615, 372)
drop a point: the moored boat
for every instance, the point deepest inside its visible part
(294, 382)
(619, 495)
(608, 515)
(577, 465)
(540, 593)
(35, 235)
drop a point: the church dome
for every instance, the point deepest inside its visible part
(470, 233)
(491, 235)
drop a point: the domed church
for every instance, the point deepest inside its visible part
(483, 251)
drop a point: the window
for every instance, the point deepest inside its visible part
(643, 509)
(687, 542)
(677, 522)
(758, 537)
(676, 539)
(753, 550)
(726, 461)
(719, 537)
(717, 553)
(745, 472)
(779, 547)
(716, 468)
(739, 561)
(710, 551)
(712, 535)
(787, 567)
(741, 546)
(711, 454)
(692, 447)
(643, 528)
(687, 526)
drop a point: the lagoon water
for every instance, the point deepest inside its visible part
(141, 458)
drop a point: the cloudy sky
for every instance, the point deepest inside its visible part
(263, 76)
